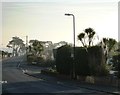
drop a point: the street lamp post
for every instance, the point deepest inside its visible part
(73, 72)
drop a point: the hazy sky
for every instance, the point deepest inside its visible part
(45, 20)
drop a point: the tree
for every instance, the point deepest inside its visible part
(48, 50)
(4, 54)
(34, 51)
(17, 45)
(87, 37)
(59, 44)
(110, 42)
(116, 63)
(90, 33)
(116, 60)
(109, 46)
(36, 47)
(81, 37)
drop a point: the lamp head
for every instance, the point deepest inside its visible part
(68, 14)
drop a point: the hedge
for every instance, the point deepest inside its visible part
(63, 60)
(90, 61)
(81, 62)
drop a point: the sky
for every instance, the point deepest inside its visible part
(45, 20)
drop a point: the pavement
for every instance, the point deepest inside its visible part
(107, 89)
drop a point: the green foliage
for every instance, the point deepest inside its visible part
(30, 59)
(36, 47)
(94, 58)
(40, 61)
(47, 63)
(90, 33)
(49, 72)
(17, 45)
(97, 64)
(110, 42)
(81, 38)
(116, 63)
(88, 61)
(63, 60)
(103, 71)
(81, 61)
(34, 58)
(87, 37)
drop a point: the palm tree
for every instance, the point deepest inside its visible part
(110, 42)
(90, 33)
(108, 45)
(81, 37)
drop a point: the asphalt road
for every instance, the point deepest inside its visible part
(18, 82)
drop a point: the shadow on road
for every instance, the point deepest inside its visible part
(42, 86)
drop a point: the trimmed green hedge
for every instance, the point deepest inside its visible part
(63, 60)
(81, 62)
(90, 61)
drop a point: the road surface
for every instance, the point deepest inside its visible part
(18, 82)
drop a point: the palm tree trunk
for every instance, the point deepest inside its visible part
(83, 43)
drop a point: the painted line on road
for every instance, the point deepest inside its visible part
(2, 82)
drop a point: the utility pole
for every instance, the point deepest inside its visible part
(74, 75)
(26, 46)
(26, 41)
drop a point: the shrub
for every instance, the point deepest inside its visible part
(32, 58)
(90, 61)
(90, 79)
(49, 72)
(63, 60)
(81, 61)
(116, 63)
(47, 63)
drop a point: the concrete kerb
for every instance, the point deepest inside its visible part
(32, 74)
(90, 88)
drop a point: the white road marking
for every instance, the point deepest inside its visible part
(1, 82)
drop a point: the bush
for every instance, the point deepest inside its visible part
(63, 60)
(90, 61)
(32, 58)
(47, 63)
(96, 59)
(49, 72)
(116, 64)
(81, 61)
(90, 79)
